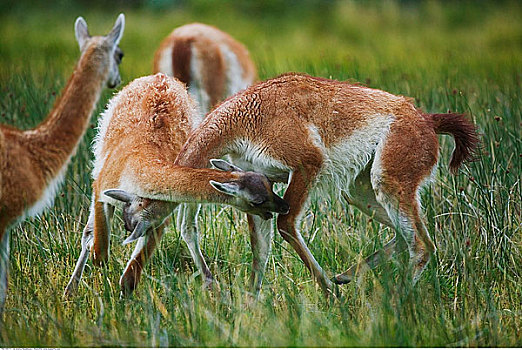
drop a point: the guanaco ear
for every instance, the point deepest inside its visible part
(224, 165)
(139, 231)
(120, 195)
(230, 188)
(116, 33)
(81, 32)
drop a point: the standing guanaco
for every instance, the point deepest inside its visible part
(333, 137)
(33, 162)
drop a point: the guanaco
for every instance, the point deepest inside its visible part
(209, 61)
(33, 162)
(139, 136)
(332, 137)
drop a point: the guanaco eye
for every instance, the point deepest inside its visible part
(257, 202)
(118, 55)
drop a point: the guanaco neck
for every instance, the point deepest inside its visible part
(56, 138)
(175, 183)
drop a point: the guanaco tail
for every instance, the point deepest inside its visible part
(33, 162)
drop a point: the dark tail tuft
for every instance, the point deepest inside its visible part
(463, 131)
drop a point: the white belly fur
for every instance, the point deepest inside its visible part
(346, 159)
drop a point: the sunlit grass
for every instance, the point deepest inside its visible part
(461, 57)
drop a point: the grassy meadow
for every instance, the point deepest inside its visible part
(462, 56)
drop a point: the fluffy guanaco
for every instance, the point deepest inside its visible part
(375, 148)
(33, 162)
(139, 136)
(209, 61)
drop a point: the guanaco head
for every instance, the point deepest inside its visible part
(140, 214)
(107, 46)
(252, 192)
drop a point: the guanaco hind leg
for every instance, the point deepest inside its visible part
(409, 223)
(403, 164)
(411, 226)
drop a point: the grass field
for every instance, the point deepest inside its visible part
(465, 57)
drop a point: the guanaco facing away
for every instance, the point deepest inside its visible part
(139, 136)
(210, 62)
(33, 162)
(332, 137)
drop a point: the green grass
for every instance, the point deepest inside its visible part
(465, 57)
